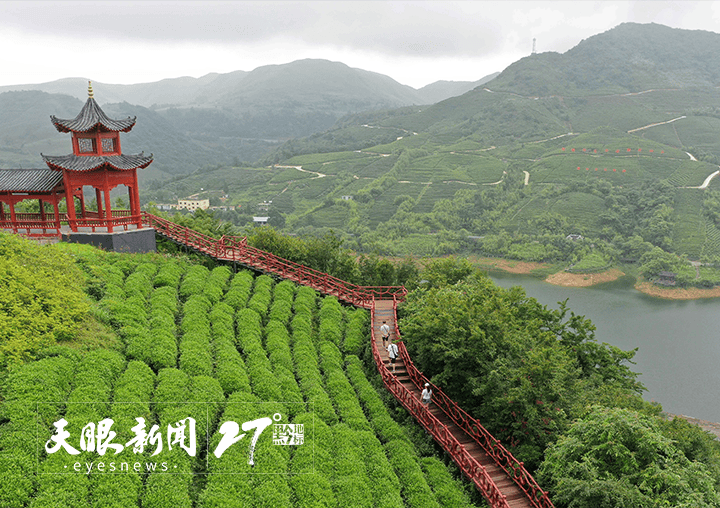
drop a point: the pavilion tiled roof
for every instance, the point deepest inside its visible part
(90, 162)
(90, 117)
(29, 180)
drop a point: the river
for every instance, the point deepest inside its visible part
(678, 341)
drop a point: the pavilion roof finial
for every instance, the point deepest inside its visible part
(90, 90)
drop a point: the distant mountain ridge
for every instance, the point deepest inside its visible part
(262, 81)
(218, 118)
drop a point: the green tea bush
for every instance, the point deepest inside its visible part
(331, 321)
(312, 465)
(448, 490)
(24, 414)
(230, 368)
(380, 420)
(281, 308)
(240, 289)
(383, 481)
(339, 389)
(356, 332)
(169, 274)
(415, 489)
(194, 281)
(350, 481)
(262, 295)
(277, 344)
(310, 379)
(216, 282)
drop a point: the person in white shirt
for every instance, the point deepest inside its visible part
(385, 331)
(392, 350)
(426, 395)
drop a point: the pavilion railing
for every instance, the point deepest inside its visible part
(473, 428)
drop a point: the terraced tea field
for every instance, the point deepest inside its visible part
(229, 351)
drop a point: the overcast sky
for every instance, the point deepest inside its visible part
(414, 42)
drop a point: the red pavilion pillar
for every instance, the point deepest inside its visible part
(108, 206)
(135, 202)
(56, 211)
(13, 219)
(70, 201)
(98, 198)
(42, 215)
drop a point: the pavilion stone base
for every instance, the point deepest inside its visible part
(135, 241)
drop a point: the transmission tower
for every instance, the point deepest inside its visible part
(533, 50)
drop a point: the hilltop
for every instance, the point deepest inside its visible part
(515, 167)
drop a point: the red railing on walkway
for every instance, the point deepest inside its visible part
(473, 428)
(236, 249)
(460, 455)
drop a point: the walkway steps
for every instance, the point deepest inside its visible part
(514, 495)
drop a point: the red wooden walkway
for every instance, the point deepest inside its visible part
(503, 480)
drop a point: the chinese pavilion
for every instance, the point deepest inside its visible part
(97, 161)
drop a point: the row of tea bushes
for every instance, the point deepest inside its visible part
(380, 420)
(232, 480)
(178, 396)
(25, 415)
(240, 290)
(415, 489)
(216, 282)
(249, 335)
(230, 369)
(349, 475)
(339, 388)
(305, 358)
(162, 349)
(131, 396)
(356, 331)
(277, 345)
(193, 283)
(61, 484)
(332, 326)
(195, 354)
(281, 307)
(312, 465)
(262, 295)
(169, 274)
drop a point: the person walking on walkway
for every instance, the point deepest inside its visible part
(385, 331)
(426, 395)
(392, 350)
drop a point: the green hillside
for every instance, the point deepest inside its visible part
(183, 340)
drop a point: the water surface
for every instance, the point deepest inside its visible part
(678, 341)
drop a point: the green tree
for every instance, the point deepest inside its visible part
(620, 458)
(523, 370)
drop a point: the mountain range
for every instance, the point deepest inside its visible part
(217, 118)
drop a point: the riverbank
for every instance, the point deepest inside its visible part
(677, 293)
(578, 280)
(711, 427)
(556, 275)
